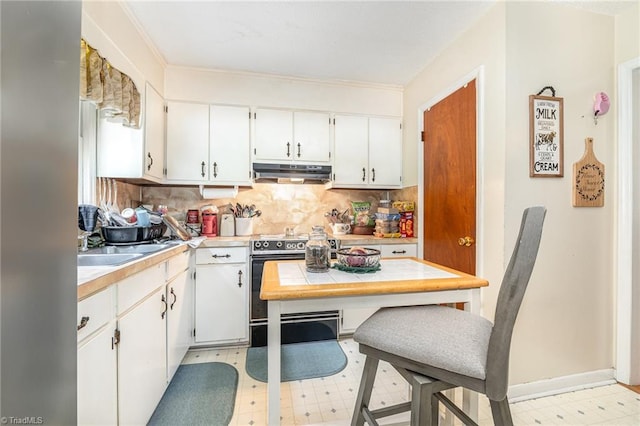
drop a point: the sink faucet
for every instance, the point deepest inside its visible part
(84, 241)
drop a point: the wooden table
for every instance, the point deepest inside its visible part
(288, 288)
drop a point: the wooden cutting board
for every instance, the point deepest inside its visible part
(588, 179)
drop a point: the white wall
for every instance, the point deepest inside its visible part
(627, 44)
(211, 86)
(566, 321)
(106, 26)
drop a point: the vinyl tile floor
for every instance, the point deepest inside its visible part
(330, 400)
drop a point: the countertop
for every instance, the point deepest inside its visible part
(289, 280)
(92, 279)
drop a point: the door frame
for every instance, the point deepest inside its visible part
(478, 75)
(627, 340)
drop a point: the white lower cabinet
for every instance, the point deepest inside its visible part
(142, 374)
(222, 296)
(352, 318)
(97, 387)
(97, 384)
(179, 321)
(131, 338)
(398, 250)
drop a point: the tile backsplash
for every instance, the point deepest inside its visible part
(282, 205)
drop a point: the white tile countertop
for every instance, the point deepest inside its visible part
(390, 270)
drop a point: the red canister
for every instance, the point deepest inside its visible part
(193, 216)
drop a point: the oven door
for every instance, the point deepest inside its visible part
(296, 327)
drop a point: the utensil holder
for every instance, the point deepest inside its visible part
(244, 226)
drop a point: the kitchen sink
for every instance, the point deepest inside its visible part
(117, 255)
(138, 248)
(102, 259)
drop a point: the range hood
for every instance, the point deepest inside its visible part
(291, 173)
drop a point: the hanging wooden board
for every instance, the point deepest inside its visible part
(588, 179)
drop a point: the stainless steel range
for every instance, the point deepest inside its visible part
(296, 328)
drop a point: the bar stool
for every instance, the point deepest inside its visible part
(436, 348)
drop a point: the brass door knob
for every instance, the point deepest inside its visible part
(466, 241)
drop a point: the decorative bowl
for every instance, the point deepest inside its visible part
(359, 257)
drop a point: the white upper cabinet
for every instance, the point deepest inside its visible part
(154, 124)
(368, 152)
(351, 164)
(124, 152)
(230, 141)
(285, 136)
(187, 141)
(208, 144)
(385, 152)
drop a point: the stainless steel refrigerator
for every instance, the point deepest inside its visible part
(39, 73)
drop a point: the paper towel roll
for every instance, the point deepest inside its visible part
(211, 193)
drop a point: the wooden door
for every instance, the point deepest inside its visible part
(450, 180)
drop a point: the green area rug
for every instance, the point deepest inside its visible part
(199, 394)
(299, 361)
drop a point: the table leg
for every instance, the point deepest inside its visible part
(273, 367)
(470, 398)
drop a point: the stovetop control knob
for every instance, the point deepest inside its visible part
(300, 246)
(257, 244)
(279, 244)
(265, 244)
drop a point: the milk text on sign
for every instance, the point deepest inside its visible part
(546, 113)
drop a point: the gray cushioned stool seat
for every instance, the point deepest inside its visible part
(421, 333)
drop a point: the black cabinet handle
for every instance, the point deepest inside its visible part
(115, 339)
(202, 168)
(373, 175)
(165, 307)
(150, 161)
(215, 256)
(298, 150)
(215, 169)
(83, 322)
(288, 151)
(364, 174)
(399, 252)
(239, 278)
(175, 299)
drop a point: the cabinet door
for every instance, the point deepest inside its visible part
(352, 318)
(274, 135)
(142, 368)
(222, 305)
(311, 139)
(179, 321)
(230, 157)
(154, 123)
(385, 152)
(97, 373)
(119, 150)
(187, 141)
(351, 150)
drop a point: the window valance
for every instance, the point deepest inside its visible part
(114, 93)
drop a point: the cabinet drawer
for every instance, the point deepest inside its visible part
(96, 310)
(216, 255)
(134, 288)
(398, 250)
(177, 264)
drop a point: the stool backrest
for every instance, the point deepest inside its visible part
(512, 289)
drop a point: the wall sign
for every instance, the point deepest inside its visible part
(588, 177)
(546, 133)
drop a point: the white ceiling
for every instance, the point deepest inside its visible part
(386, 42)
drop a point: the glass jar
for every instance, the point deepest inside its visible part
(317, 254)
